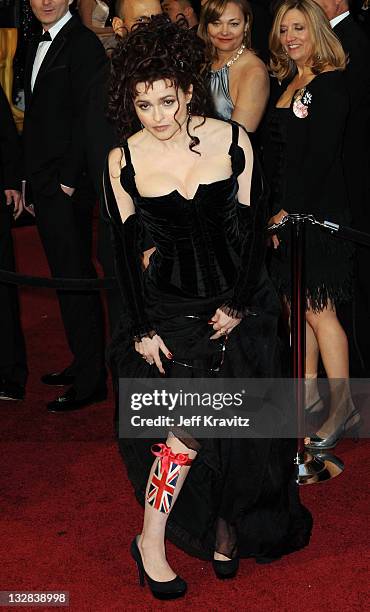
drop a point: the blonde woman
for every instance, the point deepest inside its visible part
(303, 159)
(239, 83)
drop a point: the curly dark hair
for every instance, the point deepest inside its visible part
(155, 50)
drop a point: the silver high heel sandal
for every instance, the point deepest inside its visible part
(321, 444)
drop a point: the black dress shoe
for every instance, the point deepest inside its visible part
(11, 391)
(58, 379)
(69, 401)
(225, 569)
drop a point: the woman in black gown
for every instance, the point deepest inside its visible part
(181, 177)
(303, 159)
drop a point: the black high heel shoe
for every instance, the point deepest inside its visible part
(171, 589)
(225, 569)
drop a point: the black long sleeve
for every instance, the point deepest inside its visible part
(127, 251)
(252, 223)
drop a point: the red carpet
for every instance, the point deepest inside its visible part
(68, 513)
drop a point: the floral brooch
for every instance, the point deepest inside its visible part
(302, 100)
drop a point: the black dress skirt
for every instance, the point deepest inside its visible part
(240, 497)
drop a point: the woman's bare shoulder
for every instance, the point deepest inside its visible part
(251, 64)
(137, 143)
(116, 159)
(136, 139)
(215, 128)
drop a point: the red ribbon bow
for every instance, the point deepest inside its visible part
(165, 453)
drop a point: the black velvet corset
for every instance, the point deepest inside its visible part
(197, 240)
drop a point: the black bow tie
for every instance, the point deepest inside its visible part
(44, 38)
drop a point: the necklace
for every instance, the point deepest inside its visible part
(236, 57)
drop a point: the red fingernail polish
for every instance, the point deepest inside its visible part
(169, 356)
(210, 321)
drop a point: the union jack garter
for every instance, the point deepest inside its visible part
(165, 476)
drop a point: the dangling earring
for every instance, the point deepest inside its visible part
(141, 125)
(188, 108)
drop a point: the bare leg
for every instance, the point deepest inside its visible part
(312, 353)
(312, 397)
(313, 402)
(333, 346)
(332, 342)
(151, 542)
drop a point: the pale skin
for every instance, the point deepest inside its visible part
(324, 333)
(248, 78)
(12, 195)
(163, 163)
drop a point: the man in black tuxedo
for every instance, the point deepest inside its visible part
(60, 66)
(357, 171)
(13, 365)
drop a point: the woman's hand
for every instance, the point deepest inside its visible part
(14, 196)
(148, 348)
(222, 324)
(276, 219)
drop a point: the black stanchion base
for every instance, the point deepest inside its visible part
(313, 469)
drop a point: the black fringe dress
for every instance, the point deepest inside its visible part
(302, 154)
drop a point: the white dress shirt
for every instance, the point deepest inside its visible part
(43, 47)
(338, 19)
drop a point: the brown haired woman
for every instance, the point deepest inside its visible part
(239, 83)
(186, 178)
(303, 159)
